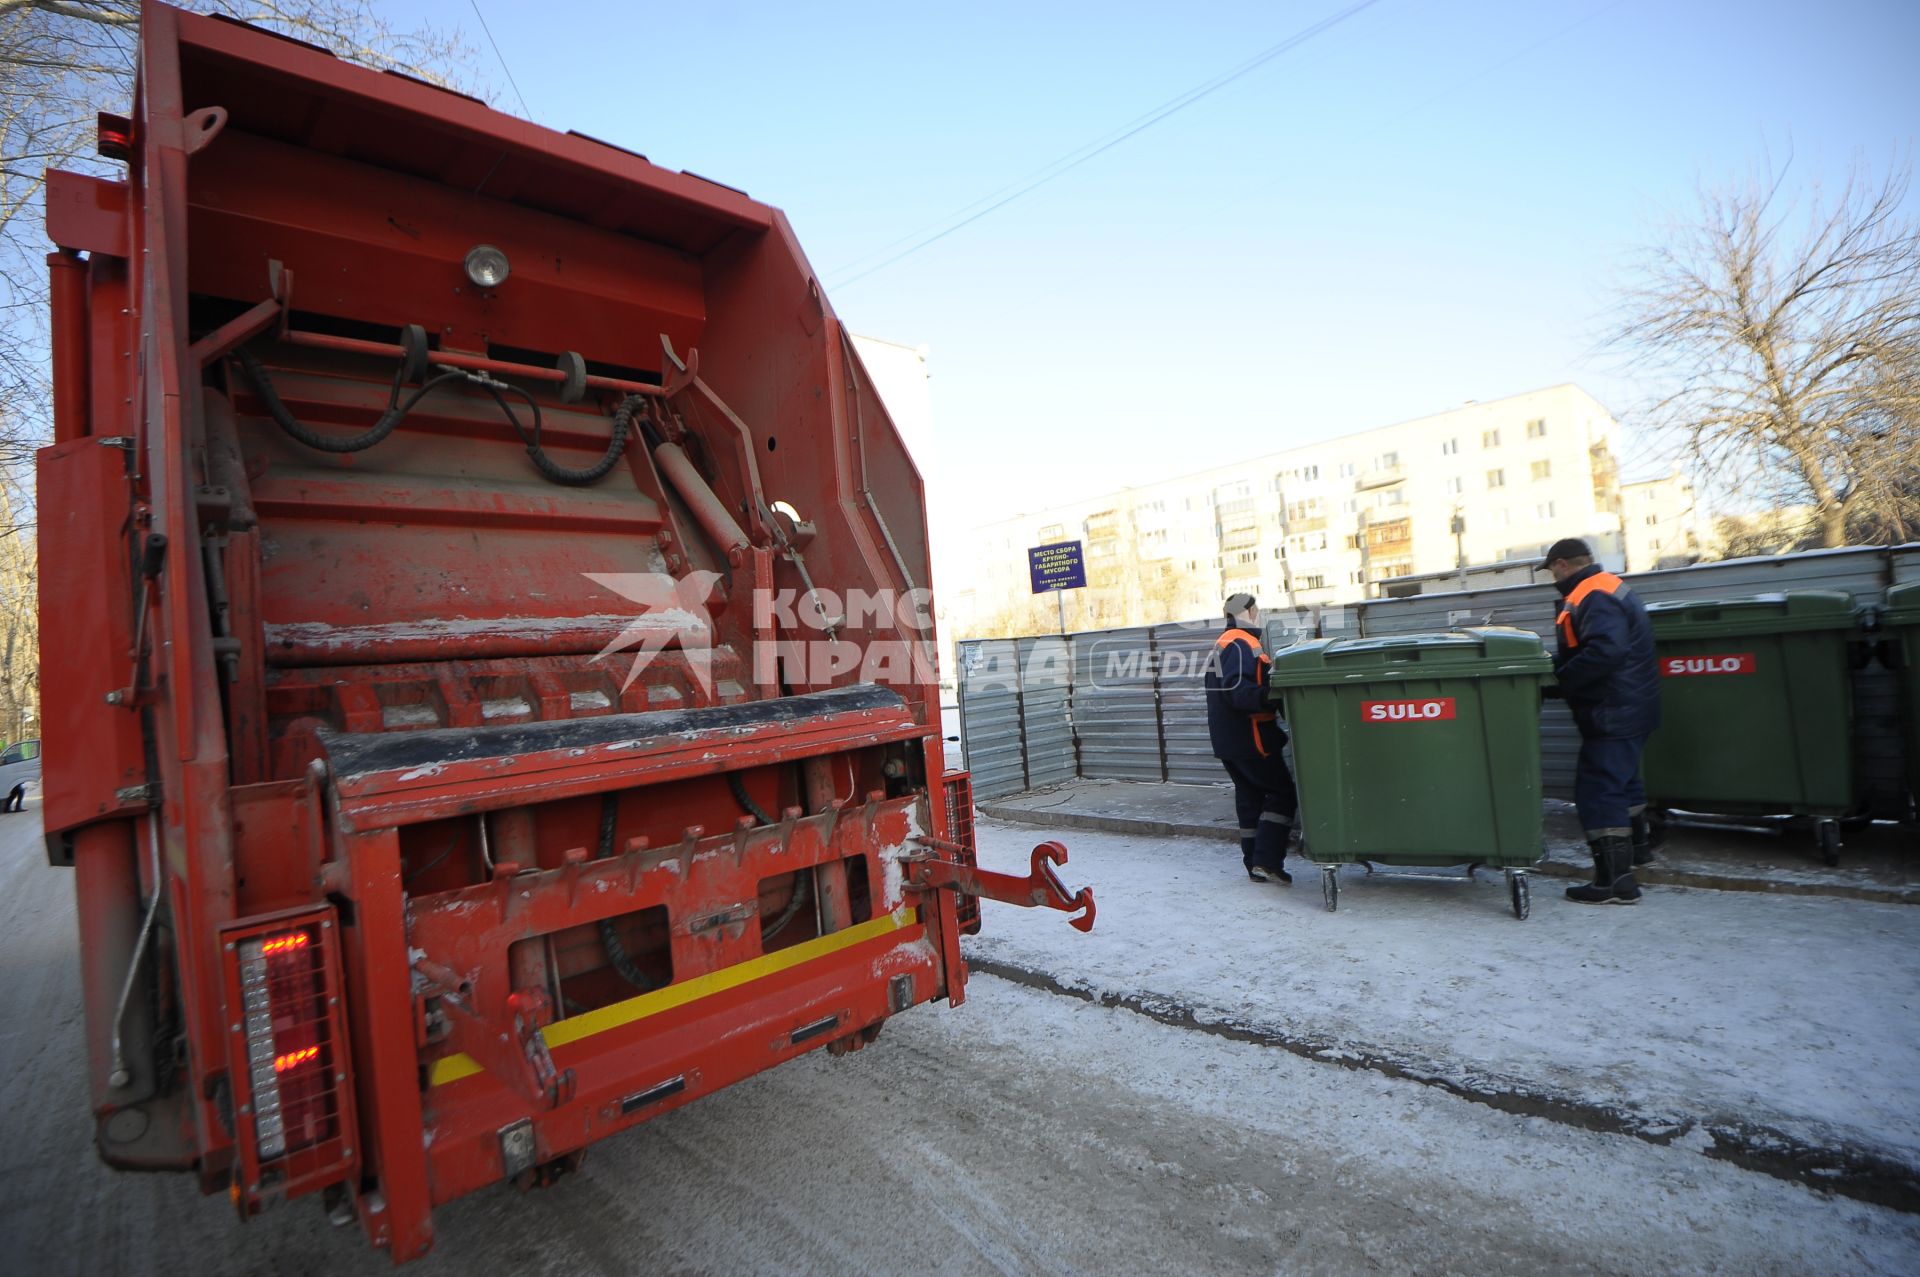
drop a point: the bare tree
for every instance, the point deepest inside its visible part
(19, 627)
(1788, 344)
(61, 61)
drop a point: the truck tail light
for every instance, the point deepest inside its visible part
(959, 794)
(288, 1055)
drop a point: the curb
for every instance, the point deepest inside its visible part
(1654, 875)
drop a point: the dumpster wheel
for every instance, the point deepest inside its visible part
(1826, 834)
(1330, 886)
(1519, 893)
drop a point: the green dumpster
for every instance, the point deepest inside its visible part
(1901, 621)
(1419, 749)
(1756, 708)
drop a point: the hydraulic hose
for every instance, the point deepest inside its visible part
(622, 422)
(617, 956)
(801, 881)
(395, 413)
(397, 410)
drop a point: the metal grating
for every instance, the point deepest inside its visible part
(958, 790)
(288, 1055)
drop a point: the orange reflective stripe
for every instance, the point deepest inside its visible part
(1241, 636)
(1603, 582)
(1254, 720)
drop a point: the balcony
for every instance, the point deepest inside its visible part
(1382, 477)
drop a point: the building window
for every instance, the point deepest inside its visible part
(1537, 428)
(1450, 448)
(1502, 518)
(1489, 438)
(1652, 519)
(1455, 486)
(1386, 461)
(1544, 510)
(1052, 532)
(1312, 582)
(1542, 470)
(1351, 505)
(1346, 469)
(1356, 578)
(1496, 478)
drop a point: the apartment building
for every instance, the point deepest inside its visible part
(1664, 523)
(1327, 522)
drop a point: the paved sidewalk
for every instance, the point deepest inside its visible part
(1880, 862)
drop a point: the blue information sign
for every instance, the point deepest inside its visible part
(1057, 567)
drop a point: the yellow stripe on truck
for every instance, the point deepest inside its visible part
(454, 1067)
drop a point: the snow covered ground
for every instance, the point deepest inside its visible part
(1022, 1132)
(1694, 1009)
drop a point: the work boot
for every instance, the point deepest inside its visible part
(1613, 882)
(1642, 840)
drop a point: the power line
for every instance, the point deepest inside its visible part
(1075, 158)
(525, 109)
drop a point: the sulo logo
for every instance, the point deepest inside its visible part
(1437, 710)
(1682, 666)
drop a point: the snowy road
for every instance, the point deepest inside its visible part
(1024, 1132)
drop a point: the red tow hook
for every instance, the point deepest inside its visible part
(1041, 887)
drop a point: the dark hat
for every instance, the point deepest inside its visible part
(1566, 548)
(1237, 603)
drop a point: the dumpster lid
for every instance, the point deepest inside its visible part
(1479, 652)
(1788, 612)
(1903, 605)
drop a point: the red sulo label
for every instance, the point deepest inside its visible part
(1437, 710)
(1683, 666)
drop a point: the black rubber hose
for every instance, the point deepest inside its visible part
(802, 881)
(622, 422)
(741, 796)
(617, 956)
(395, 413)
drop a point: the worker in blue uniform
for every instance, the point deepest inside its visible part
(1605, 668)
(1247, 740)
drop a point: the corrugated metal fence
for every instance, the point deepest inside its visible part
(1128, 704)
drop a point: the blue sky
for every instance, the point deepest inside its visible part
(1426, 204)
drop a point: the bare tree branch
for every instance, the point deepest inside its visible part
(1790, 345)
(61, 62)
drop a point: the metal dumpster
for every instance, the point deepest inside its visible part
(1756, 709)
(1418, 750)
(1900, 620)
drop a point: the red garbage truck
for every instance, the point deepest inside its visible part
(487, 642)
